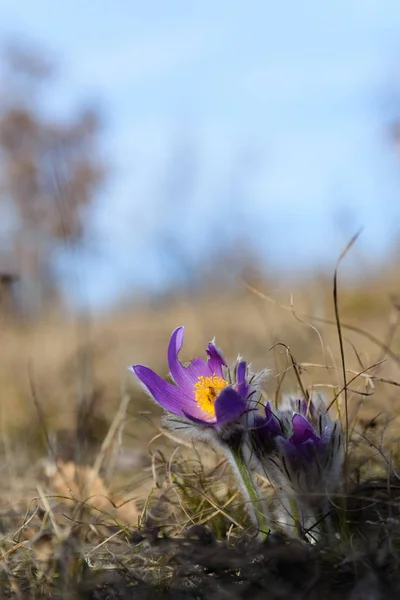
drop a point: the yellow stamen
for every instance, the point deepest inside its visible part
(207, 390)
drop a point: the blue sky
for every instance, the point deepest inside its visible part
(272, 116)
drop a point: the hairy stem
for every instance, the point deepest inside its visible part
(250, 489)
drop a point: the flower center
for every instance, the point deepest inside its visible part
(207, 390)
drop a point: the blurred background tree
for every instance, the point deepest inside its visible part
(50, 172)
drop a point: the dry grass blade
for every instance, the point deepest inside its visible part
(40, 413)
(340, 336)
(115, 426)
(57, 530)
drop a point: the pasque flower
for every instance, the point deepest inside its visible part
(299, 448)
(208, 399)
(203, 392)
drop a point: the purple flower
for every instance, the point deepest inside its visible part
(271, 426)
(303, 449)
(299, 449)
(203, 392)
(263, 431)
(304, 438)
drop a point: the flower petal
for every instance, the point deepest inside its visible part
(289, 453)
(169, 396)
(229, 406)
(262, 435)
(184, 377)
(215, 359)
(206, 420)
(241, 384)
(241, 372)
(195, 413)
(302, 431)
(271, 424)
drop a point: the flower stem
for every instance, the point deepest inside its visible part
(294, 510)
(250, 489)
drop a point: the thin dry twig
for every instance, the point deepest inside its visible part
(295, 368)
(381, 452)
